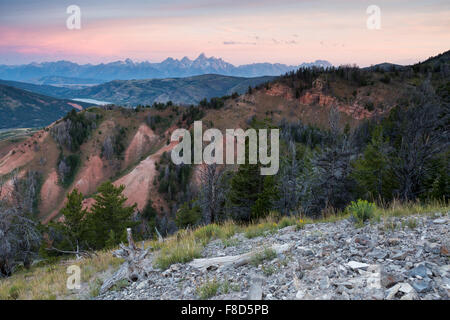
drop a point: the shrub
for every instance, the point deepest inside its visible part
(178, 252)
(362, 210)
(286, 222)
(208, 232)
(208, 289)
(259, 257)
(67, 168)
(260, 229)
(14, 292)
(188, 215)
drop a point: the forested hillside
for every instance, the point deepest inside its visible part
(371, 136)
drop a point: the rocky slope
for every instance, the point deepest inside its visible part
(399, 258)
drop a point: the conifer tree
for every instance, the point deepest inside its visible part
(109, 217)
(74, 225)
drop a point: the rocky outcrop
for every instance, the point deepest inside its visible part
(323, 261)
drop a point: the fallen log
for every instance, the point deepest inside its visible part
(237, 260)
(136, 266)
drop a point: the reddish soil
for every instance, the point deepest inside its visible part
(51, 191)
(22, 153)
(90, 176)
(76, 106)
(279, 90)
(140, 144)
(139, 182)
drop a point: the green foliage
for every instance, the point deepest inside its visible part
(251, 195)
(103, 227)
(74, 216)
(259, 257)
(361, 210)
(188, 215)
(73, 231)
(192, 114)
(78, 129)
(119, 140)
(373, 171)
(265, 201)
(214, 103)
(14, 292)
(179, 252)
(109, 217)
(68, 166)
(173, 179)
(437, 183)
(208, 289)
(149, 215)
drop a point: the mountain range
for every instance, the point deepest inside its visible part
(66, 72)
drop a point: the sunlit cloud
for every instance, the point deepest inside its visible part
(240, 32)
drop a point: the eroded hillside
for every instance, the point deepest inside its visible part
(131, 146)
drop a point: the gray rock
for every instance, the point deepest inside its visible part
(420, 271)
(406, 288)
(422, 285)
(393, 241)
(378, 253)
(400, 256)
(440, 221)
(392, 292)
(432, 247)
(357, 265)
(388, 280)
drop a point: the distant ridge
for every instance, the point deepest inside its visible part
(55, 72)
(24, 109)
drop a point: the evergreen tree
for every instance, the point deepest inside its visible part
(74, 226)
(372, 171)
(251, 194)
(74, 214)
(188, 215)
(110, 217)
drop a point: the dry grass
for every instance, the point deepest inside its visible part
(399, 209)
(49, 282)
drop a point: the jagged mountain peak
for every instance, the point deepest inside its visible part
(128, 69)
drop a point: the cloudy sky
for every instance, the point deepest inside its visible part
(239, 31)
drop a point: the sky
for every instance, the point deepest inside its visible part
(239, 31)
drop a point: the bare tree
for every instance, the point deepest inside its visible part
(289, 183)
(424, 134)
(211, 192)
(19, 233)
(327, 182)
(108, 147)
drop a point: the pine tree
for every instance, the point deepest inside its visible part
(246, 185)
(74, 218)
(109, 216)
(251, 194)
(188, 215)
(372, 171)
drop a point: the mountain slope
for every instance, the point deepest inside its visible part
(24, 109)
(178, 90)
(48, 90)
(142, 134)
